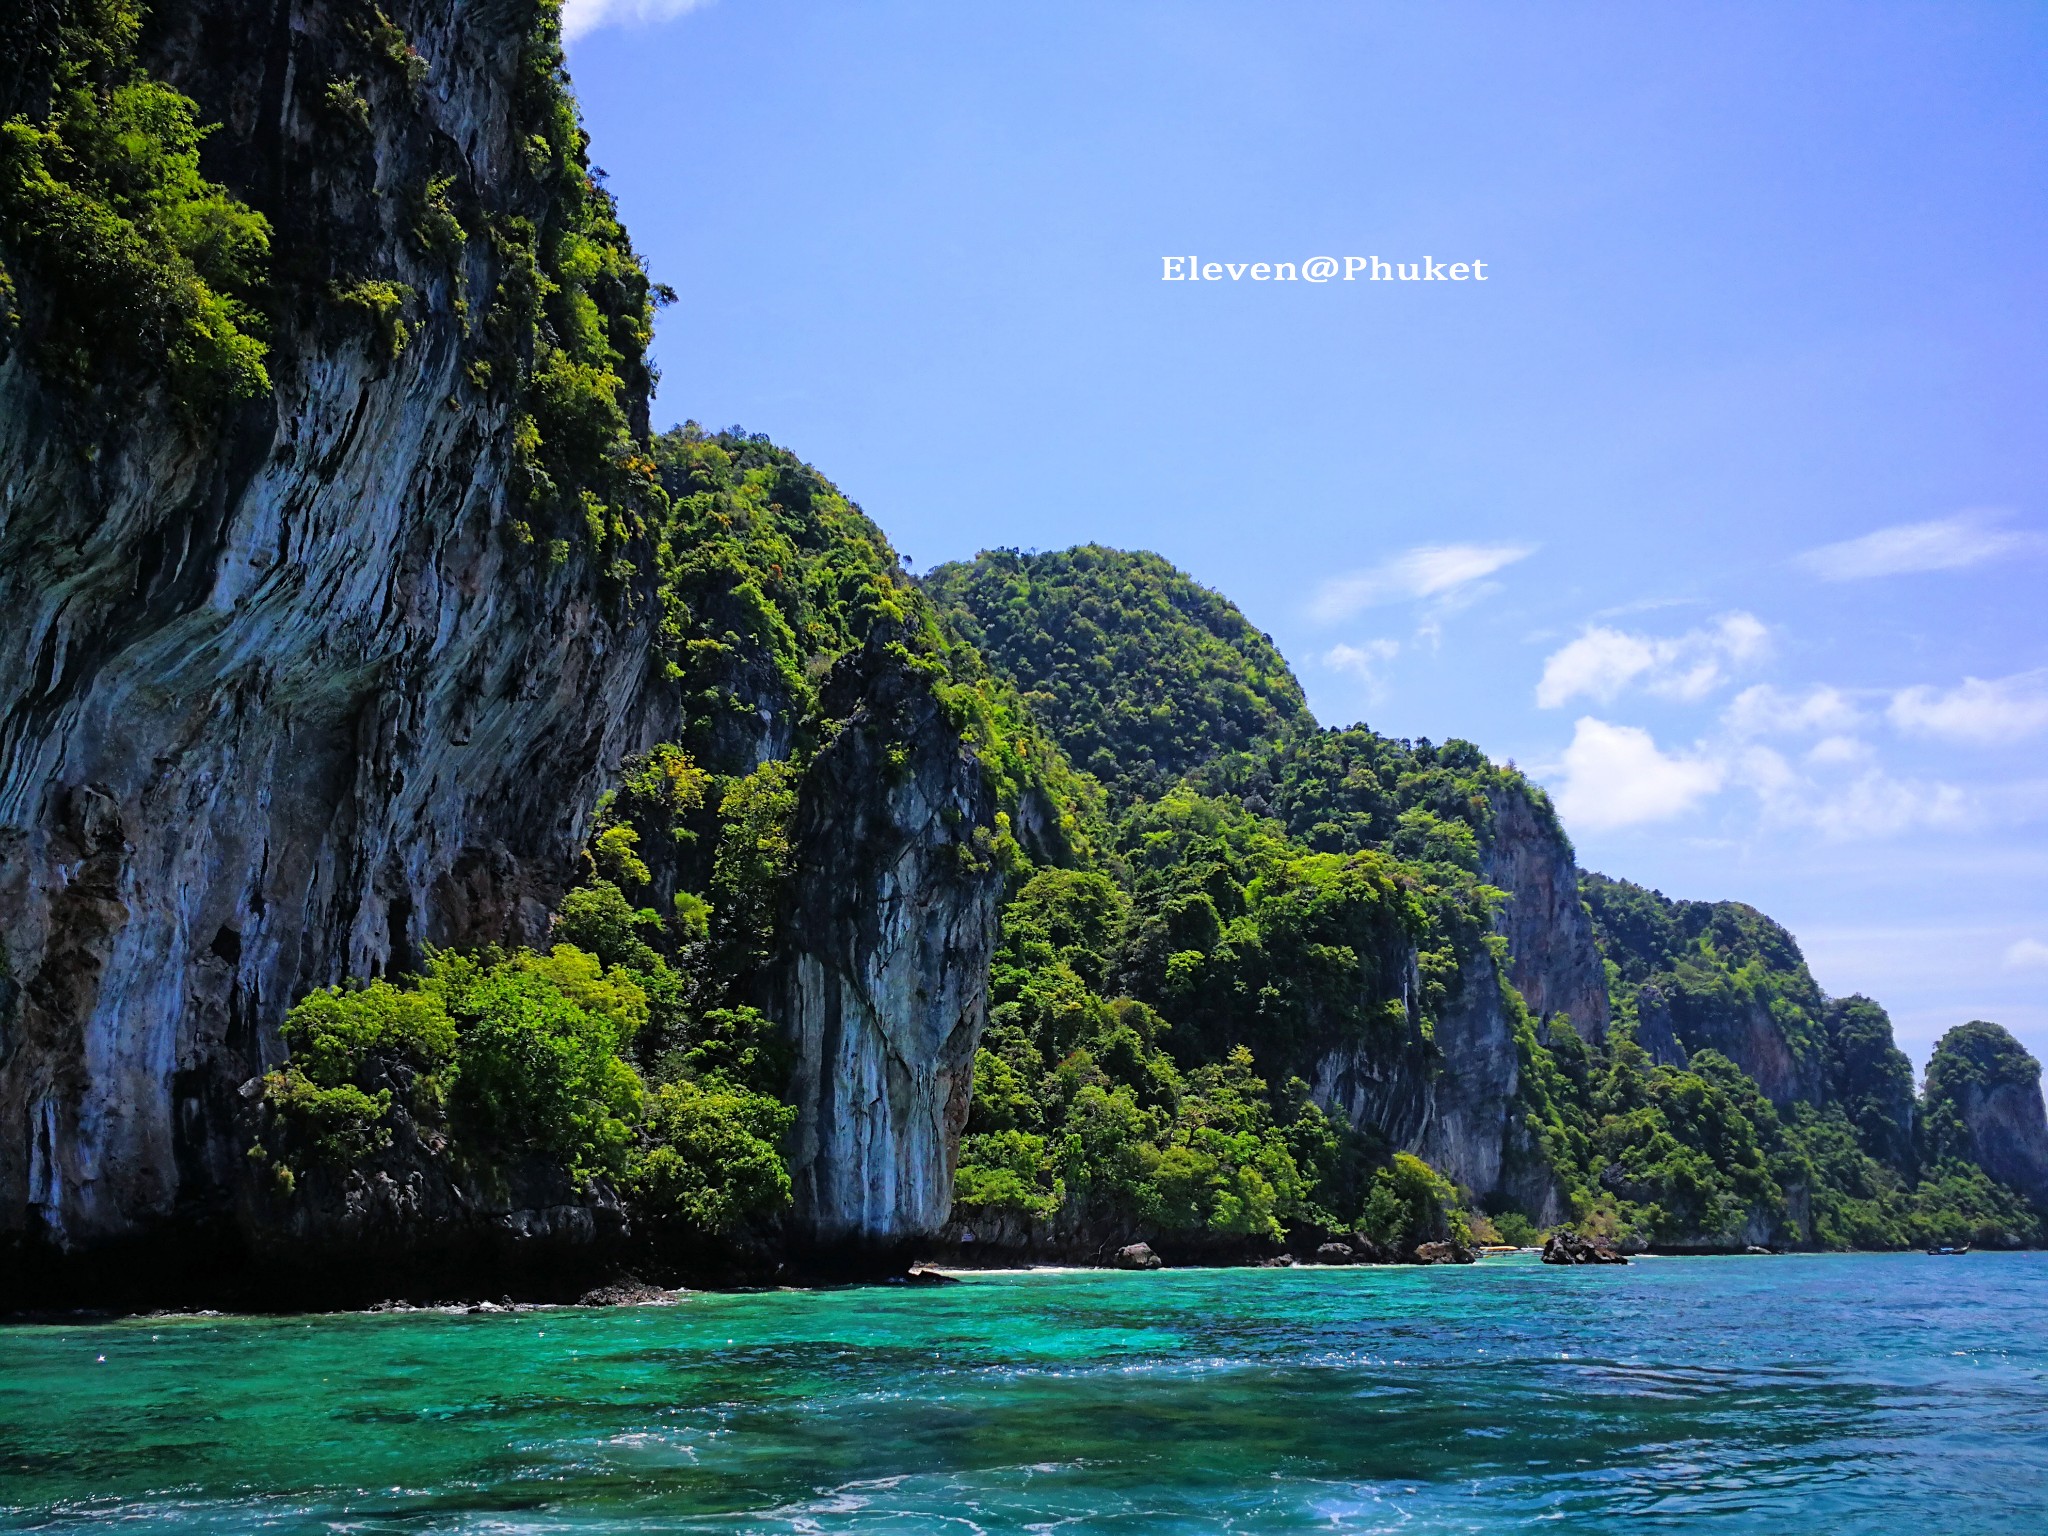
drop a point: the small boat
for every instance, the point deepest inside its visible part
(1946, 1252)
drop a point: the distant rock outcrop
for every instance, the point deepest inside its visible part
(1569, 1247)
(1983, 1104)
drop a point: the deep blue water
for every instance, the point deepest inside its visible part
(1892, 1393)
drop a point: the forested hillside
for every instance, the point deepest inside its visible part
(1142, 673)
(1252, 922)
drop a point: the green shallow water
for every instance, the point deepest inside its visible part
(1856, 1393)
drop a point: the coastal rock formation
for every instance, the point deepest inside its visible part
(1553, 961)
(1443, 1253)
(1569, 1247)
(1984, 1105)
(1715, 976)
(1452, 1101)
(1872, 1079)
(1654, 1031)
(1469, 1094)
(284, 706)
(886, 991)
(289, 695)
(1749, 1034)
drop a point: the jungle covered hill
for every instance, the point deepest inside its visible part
(1719, 1100)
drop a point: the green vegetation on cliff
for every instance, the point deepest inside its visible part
(1340, 791)
(1698, 983)
(1115, 1089)
(114, 248)
(774, 590)
(1261, 908)
(566, 331)
(1141, 673)
(1155, 1019)
(1972, 1064)
(619, 1054)
(770, 577)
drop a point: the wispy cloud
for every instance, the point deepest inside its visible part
(1869, 804)
(1834, 751)
(1942, 544)
(1363, 661)
(1601, 663)
(2027, 955)
(1766, 711)
(1617, 776)
(1986, 713)
(1445, 572)
(1874, 804)
(582, 16)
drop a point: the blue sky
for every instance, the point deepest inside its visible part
(1721, 505)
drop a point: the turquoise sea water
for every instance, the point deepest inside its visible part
(1892, 1393)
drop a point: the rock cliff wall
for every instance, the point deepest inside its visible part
(2010, 1131)
(1984, 1104)
(1453, 1102)
(285, 698)
(888, 991)
(281, 701)
(1474, 1086)
(1553, 959)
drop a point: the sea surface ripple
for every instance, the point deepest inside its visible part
(1851, 1393)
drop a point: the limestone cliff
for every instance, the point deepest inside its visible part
(1472, 1089)
(1554, 961)
(887, 993)
(1984, 1105)
(292, 692)
(282, 701)
(1716, 976)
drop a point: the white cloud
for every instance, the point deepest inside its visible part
(1874, 804)
(1766, 773)
(1603, 662)
(1943, 544)
(1831, 751)
(1765, 711)
(2027, 955)
(581, 16)
(1986, 713)
(1616, 776)
(1365, 662)
(1361, 659)
(1446, 572)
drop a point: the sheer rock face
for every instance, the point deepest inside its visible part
(885, 984)
(1474, 1087)
(1554, 961)
(1748, 1035)
(1475, 1134)
(2009, 1128)
(1454, 1106)
(278, 705)
(285, 702)
(1985, 1085)
(1655, 1032)
(1458, 1112)
(1380, 1083)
